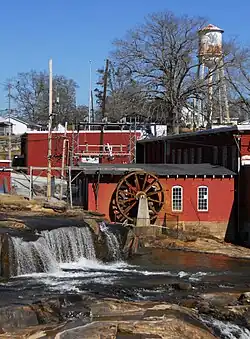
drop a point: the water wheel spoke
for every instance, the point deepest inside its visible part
(129, 208)
(137, 184)
(154, 200)
(130, 186)
(153, 210)
(145, 181)
(123, 193)
(150, 185)
(125, 201)
(155, 192)
(129, 189)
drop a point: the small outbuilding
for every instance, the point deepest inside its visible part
(193, 197)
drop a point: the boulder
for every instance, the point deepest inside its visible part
(56, 205)
(244, 298)
(16, 317)
(182, 286)
(167, 328)
(19, 317)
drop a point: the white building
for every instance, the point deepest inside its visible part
(20, 127)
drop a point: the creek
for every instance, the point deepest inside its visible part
(64, 261)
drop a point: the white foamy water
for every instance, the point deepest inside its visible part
(81, 275)
(112, 242)
(29, 257)
(68, 244)
(226, 330)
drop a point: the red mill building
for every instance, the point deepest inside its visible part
(227, 146)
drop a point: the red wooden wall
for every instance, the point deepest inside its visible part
(35, 147)
(220, 199)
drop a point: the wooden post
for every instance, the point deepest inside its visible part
(50, 131)
(31, 183)
(9, 127)
(63, 160)
(70, 188)
(105, 83)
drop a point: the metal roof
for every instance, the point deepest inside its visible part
(183, 170)
(211, 27)
(226, 129)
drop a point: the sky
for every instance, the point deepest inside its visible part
(73, 32)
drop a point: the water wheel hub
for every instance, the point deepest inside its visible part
(140, 194)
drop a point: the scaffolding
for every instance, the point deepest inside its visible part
(102, 150)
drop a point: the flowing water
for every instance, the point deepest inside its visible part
(64, 261)
(31, 257)
(112, 242)
(225, 329)
(68, 244)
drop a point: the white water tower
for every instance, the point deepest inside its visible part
(211, 68)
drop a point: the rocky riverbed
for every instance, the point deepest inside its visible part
(173, 287)
(78, 316)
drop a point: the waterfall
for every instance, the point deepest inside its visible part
(58, 246)
(31, 257)
(225, 329)
(69, 244)
(61, 245)
(112, 242)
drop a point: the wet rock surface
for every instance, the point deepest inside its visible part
(78, 316)
(199, 245)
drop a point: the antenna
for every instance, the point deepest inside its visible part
(90, 92)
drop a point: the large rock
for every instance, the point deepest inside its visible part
(56, 205)
(119, 319)
(13, 318)
(182, 286)
(131, 245)
(169, 328)
(245, 298)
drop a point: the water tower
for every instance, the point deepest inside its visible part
(211, 68)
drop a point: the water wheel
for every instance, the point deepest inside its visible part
(125, 200)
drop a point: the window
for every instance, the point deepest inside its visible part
(177, 199)
(202, 195)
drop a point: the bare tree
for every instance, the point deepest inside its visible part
(161, 56)
(124, 97)
(238, 81)
(30, 92)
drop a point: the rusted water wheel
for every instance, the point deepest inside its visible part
(129, 190)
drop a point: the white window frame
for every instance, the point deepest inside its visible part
(172, 200)
(198, 198)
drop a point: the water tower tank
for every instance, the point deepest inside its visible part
(210, 44)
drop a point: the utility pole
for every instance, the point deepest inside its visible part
(50, 130)
(105, 83)
(9, 127)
